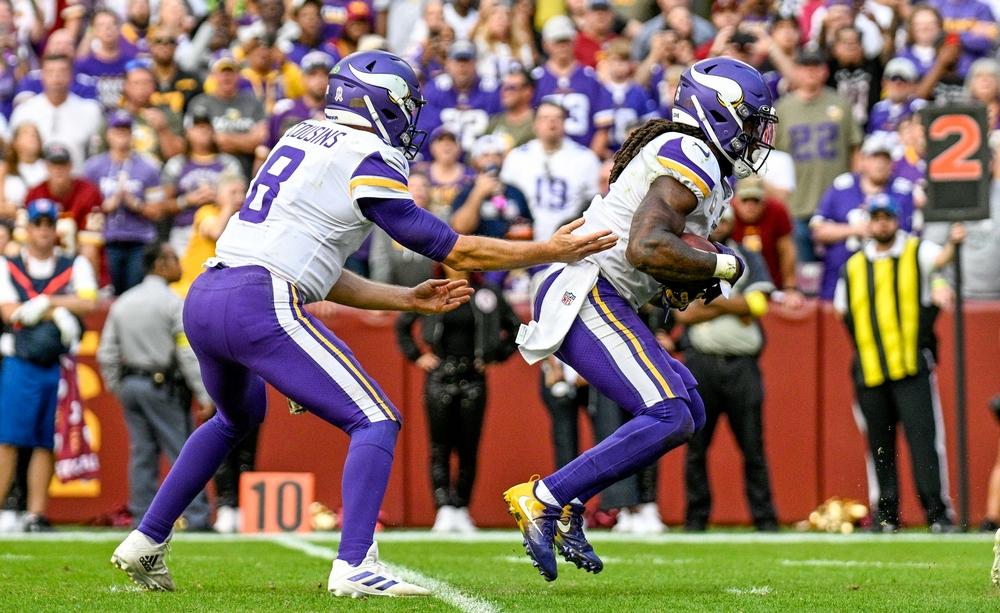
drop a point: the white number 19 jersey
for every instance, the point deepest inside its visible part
(301, 218)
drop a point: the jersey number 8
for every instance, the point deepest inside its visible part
(265, 187)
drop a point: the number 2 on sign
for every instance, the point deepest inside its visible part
(955, 163)
(279, 167)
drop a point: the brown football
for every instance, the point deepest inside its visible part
(697, 242)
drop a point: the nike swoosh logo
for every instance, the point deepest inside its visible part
(700, 148)
(524, 508)
(559, 526)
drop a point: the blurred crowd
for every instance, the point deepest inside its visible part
(143, 122)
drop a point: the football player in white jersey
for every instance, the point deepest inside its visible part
(316, 197)
(558, 176)
(669, 177)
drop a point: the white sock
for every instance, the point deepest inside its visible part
(542, 493)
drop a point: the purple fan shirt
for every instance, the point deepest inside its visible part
(960, 16)
(632, 106)
(334, 16)
(838, 205)
(886, 115)
(297, 51)
(464, 113)
(110, 76)
(188, 174)
(83, 85)
(286, 113)
(587, 102)
(141, 178)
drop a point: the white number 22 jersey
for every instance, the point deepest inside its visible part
(301, 218)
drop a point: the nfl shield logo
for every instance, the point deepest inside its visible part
(568, 298)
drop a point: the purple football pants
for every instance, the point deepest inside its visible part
(613, 349)
(247, 326)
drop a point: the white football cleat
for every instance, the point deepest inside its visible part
(369, 578)
(144, 561)
(995, 572)
(444, 521)
(463, 521)
(227, 520)
(625, 522)
(646, 520)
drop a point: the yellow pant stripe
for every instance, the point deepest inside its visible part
(909, 304)
(864, 335)
(885, 315)
(300, 316)
(634, 342)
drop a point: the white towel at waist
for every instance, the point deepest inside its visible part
(560, 306)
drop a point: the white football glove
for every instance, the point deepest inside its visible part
(32, 311)
(69, 327)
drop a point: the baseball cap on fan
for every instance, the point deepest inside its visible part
(558, 28)
(900, 68)
(42, 207)
(317, 60)
(56, 153)
(883, 203)
(462, 50)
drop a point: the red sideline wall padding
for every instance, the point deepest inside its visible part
(813, 444)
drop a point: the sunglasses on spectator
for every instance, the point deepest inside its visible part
(164, 41)
(898, 79)
(510, 87)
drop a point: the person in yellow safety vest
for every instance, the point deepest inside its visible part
(886, 295)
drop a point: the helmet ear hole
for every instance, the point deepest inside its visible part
(390, 114)
(717, 116)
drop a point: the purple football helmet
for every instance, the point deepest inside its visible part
(732, 105)
(376, 89)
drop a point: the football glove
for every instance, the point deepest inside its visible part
(740, 264)
(32, 311)
(681, 295)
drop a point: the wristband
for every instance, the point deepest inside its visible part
(725, 266)
(182, 202)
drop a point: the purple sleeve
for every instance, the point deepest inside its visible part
(410, 226)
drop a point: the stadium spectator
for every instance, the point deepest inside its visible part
(504, 44)
(856, 78)
(820, 135)
(458, 99)
(136, 26)
(489, 207)
(358, 24)
(596, 30)
(725, 16)
(430, 55)
(702, 29)
(146, 362)
(156, 130)
(975, 25)
(841, 222)
(447, 174)
(887, 286)
(632, 105)
(13, 59)
(210, 42)
(61, 43)
(60, 115)
(558, 176)
(191, 179)
(515, 124)
(390, 262)
(574, 87)
(761, 225)
(462, 16)
(106, 56)
(982, 86)
(725, 344)
(287, 112)
(899, 82)
(307, 15)
(42, 293)
(460, 345)
(237, 116)
(78, 199)
(24, 156)
(270, 76)
(837, 14)
(209, 221)
(133, 201)
(935, 55)
(980, 251)
(175, 87)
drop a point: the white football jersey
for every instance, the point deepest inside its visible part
(558, 186)
(301, 218)
(682, 157)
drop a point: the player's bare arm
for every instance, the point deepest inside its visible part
(431, 296)
(655, 246)
(482, 253)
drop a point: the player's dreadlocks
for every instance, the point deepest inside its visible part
(642, 135)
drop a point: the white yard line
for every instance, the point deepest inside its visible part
(761, 590)
(510, 536)
(440, 589)
(856, 563)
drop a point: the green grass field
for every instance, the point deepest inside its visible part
(715, 572)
